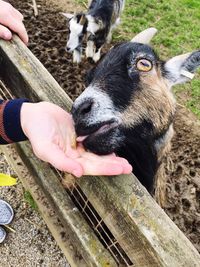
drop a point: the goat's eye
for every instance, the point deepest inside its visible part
(144, 65)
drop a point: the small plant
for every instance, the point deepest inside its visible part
(29, 199)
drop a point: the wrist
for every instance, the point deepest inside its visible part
(26, 109)
(12, 120)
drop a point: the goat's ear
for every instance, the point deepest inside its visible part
(83, 19)
(99, 21)
(181, 68)
(145, 36)
(67, 15)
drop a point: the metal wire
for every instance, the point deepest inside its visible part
(4, 92)
(97, 224)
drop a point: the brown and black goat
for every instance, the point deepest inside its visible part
(128, 106)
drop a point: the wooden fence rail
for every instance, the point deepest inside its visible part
(117, 223)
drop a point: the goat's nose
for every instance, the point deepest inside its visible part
(67, 49)
(82, 110)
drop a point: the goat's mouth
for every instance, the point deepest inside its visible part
(102, 138)
(72, 49)
(97, 129)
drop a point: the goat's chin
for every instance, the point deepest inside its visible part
(104, 144)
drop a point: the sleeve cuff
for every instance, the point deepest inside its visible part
(12, 122)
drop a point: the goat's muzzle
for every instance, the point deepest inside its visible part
(68, 49)
(101, 139)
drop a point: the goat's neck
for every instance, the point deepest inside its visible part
(163, 147)
(145, 156)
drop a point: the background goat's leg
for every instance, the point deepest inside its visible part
(90, 49)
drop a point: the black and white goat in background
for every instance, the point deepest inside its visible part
(128, 106)
(96, 24)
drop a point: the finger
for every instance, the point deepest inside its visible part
(108, 168)
(100, 167)
(5, 33)
(19, 28)
(110, 158)
(57, 158)
(104, 167)
(121, 160)
(107, 159)
(127, 168)
(18, 15)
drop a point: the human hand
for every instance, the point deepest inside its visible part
(51, 132)
(11, 20)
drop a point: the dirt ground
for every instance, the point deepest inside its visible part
(48, 35)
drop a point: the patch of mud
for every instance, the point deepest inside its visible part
(67, 6)
(183, 185)
(48, 35)
(48, 38)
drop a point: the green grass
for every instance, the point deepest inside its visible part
(178, 24)
(81, 2)
(29, 199)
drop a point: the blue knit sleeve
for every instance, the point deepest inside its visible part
(10, 124)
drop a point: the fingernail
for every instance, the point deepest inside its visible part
(77, 173)
(128, 169)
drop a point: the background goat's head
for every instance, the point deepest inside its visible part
(77, 29)
(128, 104)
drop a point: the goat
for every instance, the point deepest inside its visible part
(103, 16)
(128, 106)
(77, 30)
(97, 25)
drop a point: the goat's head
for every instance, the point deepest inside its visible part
(130, 90)
(77, 28)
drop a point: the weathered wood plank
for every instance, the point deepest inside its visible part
(141, 227)
(27, 77)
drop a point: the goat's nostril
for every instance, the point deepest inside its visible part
(85, 107)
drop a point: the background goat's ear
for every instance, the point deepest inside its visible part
(181, 68)
(67, 15)
(145, 36)
(82, 19)
(99, 21)
(89, 76)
